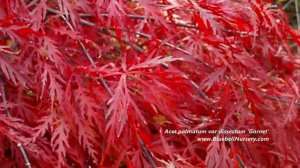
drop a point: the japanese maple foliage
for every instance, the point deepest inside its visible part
(97, 82)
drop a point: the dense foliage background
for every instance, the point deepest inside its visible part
(95, 83)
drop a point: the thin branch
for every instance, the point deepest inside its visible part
(147, 153)
(20, 146)
(23, 152)
(200, 92)
(287, 4)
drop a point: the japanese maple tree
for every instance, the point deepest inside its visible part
(95, 83)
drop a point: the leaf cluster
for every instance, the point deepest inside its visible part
(97, 82)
